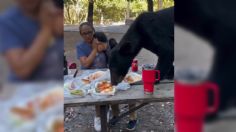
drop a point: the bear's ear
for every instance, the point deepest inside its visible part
(112, 43)
(126, 49)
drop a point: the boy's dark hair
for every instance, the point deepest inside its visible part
(85, 23)
(100, 36)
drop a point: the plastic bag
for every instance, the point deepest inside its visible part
(123, 86)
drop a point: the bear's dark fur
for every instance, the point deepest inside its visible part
(153, 31)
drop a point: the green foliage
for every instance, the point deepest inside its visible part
(109, 10)
(75, 11)
(165, 4)
(137, 7)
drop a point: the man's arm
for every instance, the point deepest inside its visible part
(24, 61)
(87, 61)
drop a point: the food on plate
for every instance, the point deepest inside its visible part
(55, 124)
(72, 86)
(23, 114)
(93, 77)
(51, 99)
(77, 92)
(77, 84)
(26, 112)
(86, 81)
(46, 102)
(58, 126)
(131, 78)
(104, 87)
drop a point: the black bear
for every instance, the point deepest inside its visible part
(151, 30)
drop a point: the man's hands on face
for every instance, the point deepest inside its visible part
(46, 15)
(58, 26)
(102, 47)
(99, 45)
(95, 44)
(51, 18)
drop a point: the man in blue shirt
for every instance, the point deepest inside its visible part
(83, 49)
(91, 50)
(31, 40)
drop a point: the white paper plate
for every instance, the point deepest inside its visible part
(137, 77)
(103, 94)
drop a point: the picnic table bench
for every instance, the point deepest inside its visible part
(164, 92)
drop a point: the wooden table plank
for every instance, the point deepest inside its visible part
(162, 93)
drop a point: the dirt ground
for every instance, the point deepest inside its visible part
(155, 117)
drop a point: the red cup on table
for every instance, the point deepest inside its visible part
(149, 79)
(134, 66)
(72, 65)
(191, 105)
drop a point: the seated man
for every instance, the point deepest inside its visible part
(31, 40)
(91, 52)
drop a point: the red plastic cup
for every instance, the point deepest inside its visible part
(134, 66)
(191, 105)
(72, 65)
(149, 78)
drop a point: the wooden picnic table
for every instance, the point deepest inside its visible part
(163, 92)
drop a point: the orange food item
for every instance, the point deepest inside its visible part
(104, 86)
(24, 112)
(86, 81)
(129, 79)
(50, 100)
(58, 126)
(46, 102)
(93, 77)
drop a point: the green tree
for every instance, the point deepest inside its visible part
(111, 10)
(75, 11)
(107, 11)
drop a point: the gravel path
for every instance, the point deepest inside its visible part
(155, 117)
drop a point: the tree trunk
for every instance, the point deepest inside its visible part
(160, 2)
(90, 12)
(128, 10)
(68, 14)
(150, 5)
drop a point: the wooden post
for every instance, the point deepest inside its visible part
(90, 12)
(150, 5)
(103, 113)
